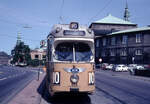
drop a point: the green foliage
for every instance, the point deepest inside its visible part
(21, 53)
(36, 62)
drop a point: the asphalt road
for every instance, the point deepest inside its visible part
(111, 88)
(12, 81)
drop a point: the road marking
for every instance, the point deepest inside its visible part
(3, 79)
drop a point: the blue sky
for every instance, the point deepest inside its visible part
(41, 15)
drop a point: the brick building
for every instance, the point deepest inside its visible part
(39, 53)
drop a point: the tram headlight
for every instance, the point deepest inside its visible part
(89, 30)
(58, 29)
(56, 77)
(74, 79)
(91, 78)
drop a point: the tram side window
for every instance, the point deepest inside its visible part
(83, 52)
(64, 52)
(49, 51)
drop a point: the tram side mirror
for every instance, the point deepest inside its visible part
(91, 57)
(55, 56)
(50, 39)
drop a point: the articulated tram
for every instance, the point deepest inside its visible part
(70, 59)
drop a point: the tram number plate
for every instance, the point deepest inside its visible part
(74, 89)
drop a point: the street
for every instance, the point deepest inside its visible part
(12, 81)
(111, 88)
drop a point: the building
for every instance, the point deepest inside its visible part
(119, 41)
(126, 47)
(110, 24)
(38, 53)
(105, 26)
(4, 58)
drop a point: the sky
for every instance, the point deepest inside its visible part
(40, 15)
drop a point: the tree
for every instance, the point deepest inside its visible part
(21, 54)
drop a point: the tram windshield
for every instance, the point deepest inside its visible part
(73, 52)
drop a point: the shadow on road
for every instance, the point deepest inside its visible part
(62, 98)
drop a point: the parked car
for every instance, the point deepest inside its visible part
(98, 65)
(104, 65)
(110, 66)
(131, 68)
(139, 70)
(120, 67)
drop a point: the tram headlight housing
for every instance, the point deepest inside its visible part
(91, 78)
(89, 30)
(58, 29)
(56, 77)
(74, 79)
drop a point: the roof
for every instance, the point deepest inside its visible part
(131, 30)
(64, 31)
(39, 50)
(4, 54)
(102, 32)
(114, 20)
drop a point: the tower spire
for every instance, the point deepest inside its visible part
(126, 13)
(18, 38)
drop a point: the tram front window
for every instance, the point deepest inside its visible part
(67, 51)
(64, 52)
(83, 52)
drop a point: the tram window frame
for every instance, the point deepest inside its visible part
(59, 54)
(74, 52)
(83, 48)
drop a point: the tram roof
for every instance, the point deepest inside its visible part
(64, 31)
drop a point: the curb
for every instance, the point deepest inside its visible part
(30, 94)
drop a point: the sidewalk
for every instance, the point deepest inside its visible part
(29, 95)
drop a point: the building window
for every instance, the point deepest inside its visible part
(97, 43)
(103, 54)
(113, 41)
(44, 57)
(97, 53)
(138, 52)
(104, 41)
(36, 56)
(124, 39)
(112, 52)
(138, 38)
(123, 52)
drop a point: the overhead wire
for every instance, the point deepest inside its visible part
(14, 37)
(10, 22)
(100, 11)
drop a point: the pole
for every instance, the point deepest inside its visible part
(38, 71)
(38, 74)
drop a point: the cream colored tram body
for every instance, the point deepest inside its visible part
(70, 59)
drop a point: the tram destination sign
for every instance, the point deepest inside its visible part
(74, 33)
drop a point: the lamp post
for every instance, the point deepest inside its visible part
(100, 61)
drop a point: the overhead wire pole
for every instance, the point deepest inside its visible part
(61, 12)
(99, 12)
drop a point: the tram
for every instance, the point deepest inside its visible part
(70, 59)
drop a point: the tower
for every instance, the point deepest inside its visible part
(126, 13)
(18, 38)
